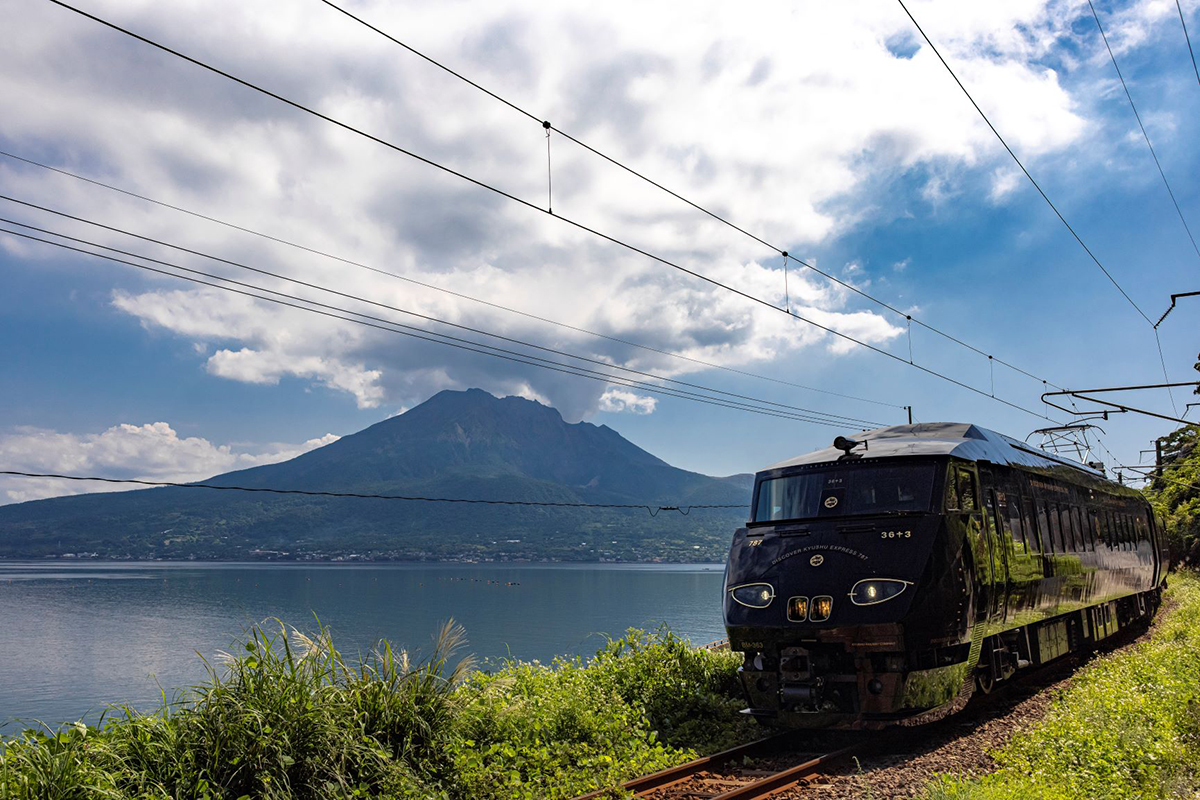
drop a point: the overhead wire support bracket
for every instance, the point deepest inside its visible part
(1083, 394)
(1171, 308)
(549, 173)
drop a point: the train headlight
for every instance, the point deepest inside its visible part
(870, 591)
(754, 595)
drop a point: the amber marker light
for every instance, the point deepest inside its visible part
(798, 609)
(821, 608)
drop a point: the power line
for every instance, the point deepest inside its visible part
(1145, 135)
(834, 419)
(1188, 39)
(643, 177)
(434, 287)
(578, 225)
(654, 510)
(1144, 470)
(1036, 185)
(391, 326)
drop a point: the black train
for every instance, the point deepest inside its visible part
(885, 580)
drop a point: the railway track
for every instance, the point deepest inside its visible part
(758, 769)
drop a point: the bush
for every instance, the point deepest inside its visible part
(644, 703)
(287, 717)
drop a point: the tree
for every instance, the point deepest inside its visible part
(1175, 493)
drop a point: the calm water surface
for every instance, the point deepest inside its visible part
(77, 635)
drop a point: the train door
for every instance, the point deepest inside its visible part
(1154, 535)
(983, 548)
(994, 531)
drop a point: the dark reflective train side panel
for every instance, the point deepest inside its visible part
(853, 613)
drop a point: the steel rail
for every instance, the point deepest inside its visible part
(681, 772)
(786, 779)
(764, 787)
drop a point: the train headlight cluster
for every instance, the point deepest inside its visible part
(870, 591)
(754, 595)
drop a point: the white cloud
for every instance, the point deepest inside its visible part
(780, 116)
(1005, 181)
(618, 400)
(153, 451)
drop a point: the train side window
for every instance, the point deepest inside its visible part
(1055, 528)
(1127, 537)
(952, 490)
(1028, 525)
(1044, 529)
(1110, 529)
(1093, 529)
(1016, 527)
(966, 490)
(1077, 531)
(1070, 544)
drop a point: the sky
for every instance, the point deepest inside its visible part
(829, 130)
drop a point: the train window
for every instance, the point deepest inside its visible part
(1093, 523)
(1016, 525)
(1126, 534)
(951, 492)
(1056, 532)
(1029, 526)
(1044, 529)
(1070, 543)
(966, 490)
(1077, 534)
(846, 489)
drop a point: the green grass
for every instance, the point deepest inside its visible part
(1127, 727)
(288, 717)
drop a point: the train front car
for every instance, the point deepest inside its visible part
(874, 576)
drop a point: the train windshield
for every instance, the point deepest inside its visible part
(850, 489)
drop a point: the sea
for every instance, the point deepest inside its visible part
(79, 636)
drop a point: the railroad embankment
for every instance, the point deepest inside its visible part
(1127, 725)
(288, 717)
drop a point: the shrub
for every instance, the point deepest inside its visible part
(287, 717)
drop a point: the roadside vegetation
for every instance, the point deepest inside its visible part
(288, 717)
(1176, 494)
(1127, 727)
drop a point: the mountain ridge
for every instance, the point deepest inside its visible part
(458, 444)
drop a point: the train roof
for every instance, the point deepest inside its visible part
(960, 440)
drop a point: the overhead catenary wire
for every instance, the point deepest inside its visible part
(1145, 474)
(391, 326)
(1112, 57)
(451, 292)
(1188, 39)
(532, 206)
(652, 509)
(696, 206)
(835, 419)
(1018, 162)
